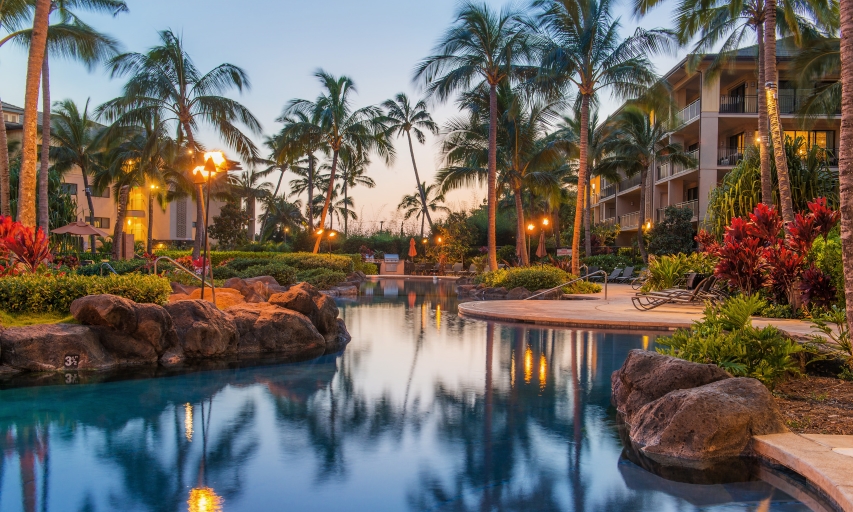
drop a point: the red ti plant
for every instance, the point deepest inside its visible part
(824, 217)
(30, 247)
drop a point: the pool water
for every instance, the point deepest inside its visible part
(424, 410)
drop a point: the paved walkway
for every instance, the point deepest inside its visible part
(616, 312)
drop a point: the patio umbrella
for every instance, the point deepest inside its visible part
(412, 250)
(540, 251)
(79, 229)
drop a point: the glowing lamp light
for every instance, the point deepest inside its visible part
(649, 225)
(128, 222)
(319, 231)
(332, 234)
(543, 371)
(425, 241)
(530, 227)
(545, 222)
(217, 156)
(203, 499)
(439, 239)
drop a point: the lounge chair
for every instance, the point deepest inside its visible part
(641, 279)
(472, 270)
(613, 275)
(456, 269)
(702, 293)
(626, 276)
(590, 271)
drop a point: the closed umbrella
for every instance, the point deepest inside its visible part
(412, 249)
(540, 251)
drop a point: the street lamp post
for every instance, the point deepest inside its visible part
(530, 228)
(202, 175)
(286, 231)
(151, 193)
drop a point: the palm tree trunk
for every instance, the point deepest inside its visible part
(328, 198)
(27, 181)
(5, 193)
(149, 242)
(250, 209)
(587, 230)
(520, 249)
(118, 229)
(641, 241)
(85, 172)
(199, 204)
(582, 171)
(845, 165)
(311, 193)
(346, 204)
(423, 221)
(763, 128)
(418, 179)
(786, 203)
(44, 210)
(493, 177)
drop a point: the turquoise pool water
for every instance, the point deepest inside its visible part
(422, 411)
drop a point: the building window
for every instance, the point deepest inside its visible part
(101, 222)
(69, 188)
(103, 193)
(11, 118)
(693, 193)
(820, 138)
(181, 218)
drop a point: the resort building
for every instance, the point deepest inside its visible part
(718, 120)
(174, 224)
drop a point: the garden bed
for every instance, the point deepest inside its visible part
(816, 405)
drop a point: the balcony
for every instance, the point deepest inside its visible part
(791, 100)
(609, 190)
(669, 169)
(739, 104)
(630, 220)
(688, 113)
(609, 221)
(692, 205)
(629, 183)
(730, 156)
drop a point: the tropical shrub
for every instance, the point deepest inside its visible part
(834, 339)
(322, 278)
(608, 262)
(55, 292)
(533, 278)
(297, 260)
(825, 254)
(282, 273)
(674, 234)
(121, 267)
(726, 337)
(224, 272)
(241, 264)
(369, 269)
(666, 271)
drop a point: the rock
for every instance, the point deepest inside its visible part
(465, 290)
(339, 341)
(235, 283)
(175, 297)
(182, 288)
(646, 376)
(255, 289)
(52, 347)
(225, 297)
(327, 316)
(346, 290)
(203, 331)
(267, 328)
(131, 333)
(356, 277)
(299, 298)
(518, 293)
(495, 293)
(700, 426)
(320, 309)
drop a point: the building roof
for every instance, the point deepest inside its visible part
(8, 107)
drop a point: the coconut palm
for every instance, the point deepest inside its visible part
(585, 50)
(306, 181)
(845, 166)
(340, 126)
(353, 166)
(280, 214)
(403, 118)
(481, 46)
(249, 186)
(635, 147)
(412, 204)
(306, 139)
(165, 81)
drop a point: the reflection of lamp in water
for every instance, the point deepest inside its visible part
(512, 368)
(438, 316)
(188, 421)
(203, 499)
(528, 365)
(543, 371)
(645, 342)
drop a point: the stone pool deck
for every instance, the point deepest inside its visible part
(824, 460)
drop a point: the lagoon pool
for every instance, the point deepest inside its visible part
(423, 411)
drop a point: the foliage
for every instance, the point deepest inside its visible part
(27, 247)
(283, 274)
(456, 237)
(55, 292)
(834, 339)
(241, 264)
(322, 278)
(666, 271)
(533, 278)
(726, 337)
(582, 287)
(297, 260)
(229, 227)
(224, 272)
(369, 269)
(609, 262)
(604, 236)
(740, 191)
(121, 267)
(674, 234)
(24, 319)
(825, 254)
(61, 205)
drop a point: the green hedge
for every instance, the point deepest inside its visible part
(121, 267)
(297, 260)
(283, 274)
(322, 278)
(533, 278)
(42, 293)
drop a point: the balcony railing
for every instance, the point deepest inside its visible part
(692, 205)
(688, 113)
(791, 100)
(630, 220)
(609, 190)
(673, 169)
(730, 156)
(739, 104)
(609, 221)
(629, 183)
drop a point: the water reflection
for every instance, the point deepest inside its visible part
(423, 411)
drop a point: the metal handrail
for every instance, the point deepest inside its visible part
(584, 266)
(602, 272)
(212, 287)
(110, 267)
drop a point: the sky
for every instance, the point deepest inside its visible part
(280, 44)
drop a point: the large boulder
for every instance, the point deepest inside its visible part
(701, 426)
(203, 331)
(646, 376)
(518, 293)
(52, 347)
(498, 293)
(225, 297)
(320, 309)
(267, 328)
(131, 333)
(256, 289)
(299, 298)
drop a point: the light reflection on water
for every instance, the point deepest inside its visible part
(423, 411)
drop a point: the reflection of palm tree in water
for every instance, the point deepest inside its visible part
(30, 443)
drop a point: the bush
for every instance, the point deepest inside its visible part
(666, 271)
(297, 260)
(241, 264)
(608, 262)
(48, 292)
(674, 234)
(533, 278)
(826, 256)
(224, 272)
(727, 338)
(581, 287)
(283, 274)
(322, 278)
(369, 269)
(121, 267)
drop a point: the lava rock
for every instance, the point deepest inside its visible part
(518, 293)
(646, 376)
(495, 293)
(267, 328)
(52, 347)
(203, 331)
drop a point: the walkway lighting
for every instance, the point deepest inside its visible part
(214, 162)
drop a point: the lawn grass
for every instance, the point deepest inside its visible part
(22, 319)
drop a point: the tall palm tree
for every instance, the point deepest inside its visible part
(412, 205)
(306, 181)
(77, 142)
(481, 46)
(403, 118)
(165, 81)
(845, 166)
(353, 164)
(249, 186)
(585, 50)
(340, 126)
(307, 138)
(280, 214)
(636, 146)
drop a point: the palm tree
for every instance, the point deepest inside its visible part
(280, 214)
(305, 182)
(403, 118)
(76, 139)
(481, 45)
(340, 126)
(635, 147)
(307, 139)
(585, 50)
(248, 185)
(412, 205)
(845, 166)
(165, 81)
(353, 164)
